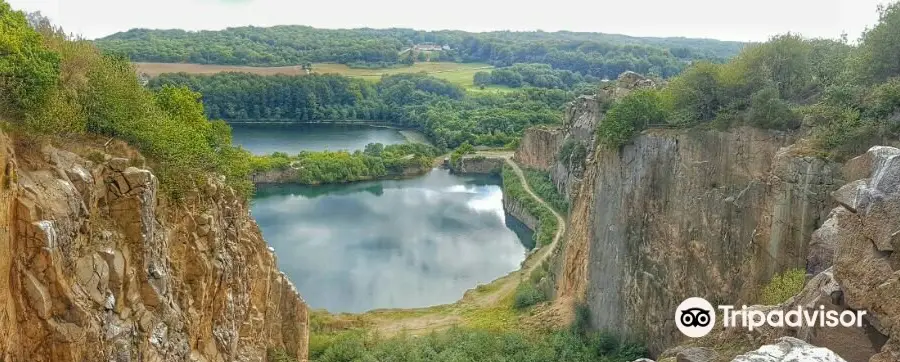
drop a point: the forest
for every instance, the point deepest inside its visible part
(590, 54)
(845, 98)
(447, 114)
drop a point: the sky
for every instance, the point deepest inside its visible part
(739, 20)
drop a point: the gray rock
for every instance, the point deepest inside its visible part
(789, 349)
(697, 354)
(119, 164)
(850, 194)
(824, 242)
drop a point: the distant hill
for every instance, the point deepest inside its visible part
(596, 54)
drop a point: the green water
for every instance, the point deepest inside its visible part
(391, 244)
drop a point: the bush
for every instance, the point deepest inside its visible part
(28, 70)
(783, 286)
(527, 295)
(767, 110)
(543, 186)
(630, 115)
(465, 344)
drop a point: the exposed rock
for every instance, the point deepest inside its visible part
(629, 81)
(539, 147)
(518, 211)
(789, 349)
(865, 264)
(479, 165)
(740, 203)
(854, 344)
(697, 354)
(824, 242)
(96, 265)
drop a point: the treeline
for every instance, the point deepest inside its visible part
(534, 75)
(848, 97)
(374, 162)
(441, 110)
(55, 87)
(594, 54)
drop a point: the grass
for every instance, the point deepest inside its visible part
(457, 73)
(783, 286)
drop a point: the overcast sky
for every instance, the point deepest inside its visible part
(720, 19)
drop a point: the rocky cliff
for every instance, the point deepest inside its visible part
(675, 214)
(690, 213)
(96, 264)
(478, 165)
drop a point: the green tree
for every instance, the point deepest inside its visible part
(630, 115)
(28, 70)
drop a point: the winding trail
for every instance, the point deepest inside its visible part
(418, 321)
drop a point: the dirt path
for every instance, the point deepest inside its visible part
(424, 320)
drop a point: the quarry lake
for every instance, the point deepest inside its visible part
(386, 244)
(293, 138)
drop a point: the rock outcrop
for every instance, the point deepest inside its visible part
(789, 349)
(96, 264)
(863, 234)
(479, 165)
(740, 203)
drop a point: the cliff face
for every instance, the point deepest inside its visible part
(479, 165)
(678, 213)
(689, 213)
(95, 265)
(541, 147)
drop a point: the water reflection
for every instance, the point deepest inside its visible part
(391, 244)
(293, 138)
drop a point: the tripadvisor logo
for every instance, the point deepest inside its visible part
(696, 317)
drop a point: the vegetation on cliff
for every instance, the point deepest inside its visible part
(56, 86)
(443, 111)
(376, 161)
(594, 54)
(513, 189)
(849, 96)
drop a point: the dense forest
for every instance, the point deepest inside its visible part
(594, 54)
(535, 75)
(443, 111)
(846, 98)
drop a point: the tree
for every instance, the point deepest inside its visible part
(879, 49)
(28, 71)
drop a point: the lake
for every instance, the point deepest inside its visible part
(263, 139)
(389, 244)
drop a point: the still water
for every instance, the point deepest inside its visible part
(385, 244)
(263, 139)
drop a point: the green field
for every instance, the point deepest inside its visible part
(458, 73)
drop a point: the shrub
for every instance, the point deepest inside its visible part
(783, 286)
(527, 295)
(767, 110)
(28, 70)
(278, 355)
(630, 115)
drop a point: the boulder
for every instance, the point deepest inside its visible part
(789, 349)
(697, 354)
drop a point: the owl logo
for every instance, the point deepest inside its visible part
(694, 317)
